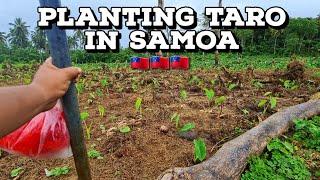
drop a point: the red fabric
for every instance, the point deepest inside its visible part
(145, 65)
(184, 63)
(45, 136)
(165, 64)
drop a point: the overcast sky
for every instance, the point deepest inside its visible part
(27, 9)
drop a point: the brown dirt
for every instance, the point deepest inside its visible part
(146, 151)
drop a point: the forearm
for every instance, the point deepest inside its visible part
(18, 105)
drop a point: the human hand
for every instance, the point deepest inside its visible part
(52, 83)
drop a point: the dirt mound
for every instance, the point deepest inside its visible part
(295, 70)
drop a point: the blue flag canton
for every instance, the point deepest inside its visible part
(155, 59)
(175, 59)
(135, 60)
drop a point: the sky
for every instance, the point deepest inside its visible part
(27, 9)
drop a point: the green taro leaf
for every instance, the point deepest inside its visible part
(102, 110)
(220, 100)
(187, 127)
(125, 129)
(273, 102)
(232, 86)
(58, 171)
(94, 154)
(183, 94)
(262, 103)
(209, 93)
(16, 172)
(267, 93)
(200, 150)
(84, 116)
(138, 104)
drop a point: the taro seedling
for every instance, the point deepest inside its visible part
(195, 80)
(94, 154)
(183, 94)
(16, 172)
(104, 83)
(58, 171)
(219, 101)
(83, 117)
(176, 119)
(187, 127)
(209, 93)
(125, 129)
(271, 102)
(290, 85)
(200, 150)
(80, 87)
(232, 86)
(99, 92)
(138, 105)
(102, 111)
(257, 84)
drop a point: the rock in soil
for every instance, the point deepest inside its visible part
(164, 129)
(190, 135)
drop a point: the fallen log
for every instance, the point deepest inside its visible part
(231, 159)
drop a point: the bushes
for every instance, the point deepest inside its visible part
(277, 163)
(280, 161)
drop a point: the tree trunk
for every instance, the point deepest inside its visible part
(216, 52)
(275, 45)
(161, 5)
(231, 159)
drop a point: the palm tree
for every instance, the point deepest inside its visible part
(39, 40)
(3, 38)
(18, 33)
(161, 5)
(216, 52)
(72, 42)
(79, 38)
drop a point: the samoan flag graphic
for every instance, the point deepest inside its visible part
(175, 62)
(135, 62)
(155, 62)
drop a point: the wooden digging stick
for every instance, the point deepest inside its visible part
(60, 53)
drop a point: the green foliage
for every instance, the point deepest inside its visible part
(200, 150)
(176, 119)
(308, 132)
(104, 83)
(195, 80)
(316, 74)
(209, 93)
(102, 111)
(94, 154)
(232, 86)
(220, 100)
(187, 127)
(16, 172)
(80, 87)
(183, 94)
(138, 104)
(58, 171)
(290, 85)
(125, 129)
(257, 84)
(271, 102)
(84, 116)
(277, 163)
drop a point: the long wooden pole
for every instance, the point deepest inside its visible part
(59, 51)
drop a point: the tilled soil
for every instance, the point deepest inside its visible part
(147, 151)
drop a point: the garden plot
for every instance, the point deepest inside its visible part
(139, 124)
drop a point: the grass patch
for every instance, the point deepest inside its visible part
(283, 158)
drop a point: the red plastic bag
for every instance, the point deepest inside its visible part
(45, 136)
